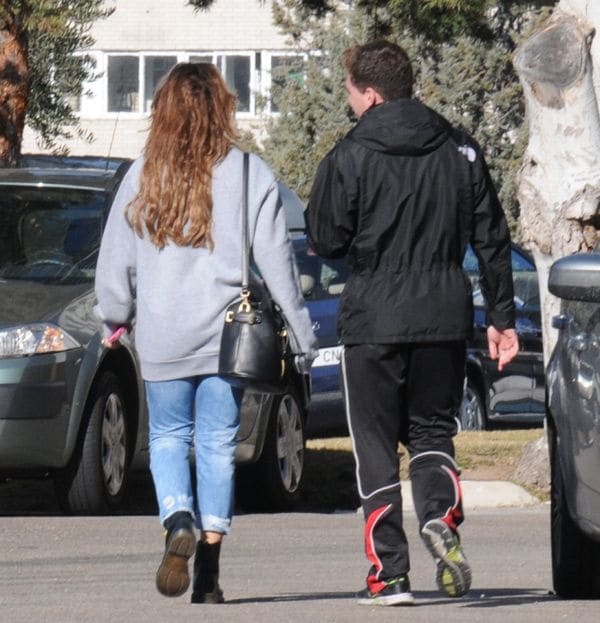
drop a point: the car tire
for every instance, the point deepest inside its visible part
(472, 408)
(273, 483)
(94, 482)
(575, 556)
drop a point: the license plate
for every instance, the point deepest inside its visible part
(328, 357)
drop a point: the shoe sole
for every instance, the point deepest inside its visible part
(453, 575)
(172, 577)
(402, 599)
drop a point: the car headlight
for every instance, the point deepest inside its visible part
(34, 339)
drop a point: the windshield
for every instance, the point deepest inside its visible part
(50, 235)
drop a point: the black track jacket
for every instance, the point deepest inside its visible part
(402, 194)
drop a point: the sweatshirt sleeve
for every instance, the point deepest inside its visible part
(330, 216)
(273, 254)
(116, 268)
(491, 243)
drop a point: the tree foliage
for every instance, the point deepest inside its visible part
(49, 33)
(463, 68)
(462, 54)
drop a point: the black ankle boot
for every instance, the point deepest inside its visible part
(206, 574)
(172, 578)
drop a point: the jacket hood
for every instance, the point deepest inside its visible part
(403, 126)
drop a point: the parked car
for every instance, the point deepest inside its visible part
(73, 409)
(514, 396)
(47, 161)
(573, 427)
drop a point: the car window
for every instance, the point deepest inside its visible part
(51, 235)
(321, 278)
(525, 280)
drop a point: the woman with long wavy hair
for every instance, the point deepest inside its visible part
(170, 257)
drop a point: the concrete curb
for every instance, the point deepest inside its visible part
(479, 494)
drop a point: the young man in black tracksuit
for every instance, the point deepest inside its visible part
(401, 196)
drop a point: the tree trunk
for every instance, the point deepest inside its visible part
(559, 183)
(14, 89)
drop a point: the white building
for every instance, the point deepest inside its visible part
(142, 39)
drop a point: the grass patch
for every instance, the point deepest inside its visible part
(482, 455)
(500, 449)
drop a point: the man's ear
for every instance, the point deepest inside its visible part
(373, 97)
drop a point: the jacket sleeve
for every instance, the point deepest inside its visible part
(490, 240)
(331, 214)
(116, 268)
(274, 257)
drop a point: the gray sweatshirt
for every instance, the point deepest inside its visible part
(179, 295)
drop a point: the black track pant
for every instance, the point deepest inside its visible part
(409, 393)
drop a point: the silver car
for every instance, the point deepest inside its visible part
(573, 425)
(70, 408)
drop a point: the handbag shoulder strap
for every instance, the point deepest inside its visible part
(245, 241)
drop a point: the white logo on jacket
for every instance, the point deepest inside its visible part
(469, 152)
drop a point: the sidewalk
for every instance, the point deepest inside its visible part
(478, 494)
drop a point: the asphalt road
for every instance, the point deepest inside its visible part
(275, 568)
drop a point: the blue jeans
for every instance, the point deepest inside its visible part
(205, 409)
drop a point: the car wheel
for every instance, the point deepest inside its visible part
(472, 409)
(95, 479)
(575, 556)
(273, 482)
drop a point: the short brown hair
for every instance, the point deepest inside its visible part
(381, 65)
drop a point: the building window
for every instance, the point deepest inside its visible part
(236, 72)
(131, 79)
(123, 83)
(155, 67)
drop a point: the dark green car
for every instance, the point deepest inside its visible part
(70, 408)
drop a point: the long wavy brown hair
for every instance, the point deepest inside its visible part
(192, 129)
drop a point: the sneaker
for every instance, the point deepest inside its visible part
(453, 571)
(396, 592)
(172, 577)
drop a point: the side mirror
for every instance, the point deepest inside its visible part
(576, 277)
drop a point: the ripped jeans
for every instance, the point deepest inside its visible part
(204, 409)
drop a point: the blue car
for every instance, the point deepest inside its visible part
(514, 397)
(322, 283)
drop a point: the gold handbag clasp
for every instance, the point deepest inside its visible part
(245, 302)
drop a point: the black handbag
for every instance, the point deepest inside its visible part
(254, 343)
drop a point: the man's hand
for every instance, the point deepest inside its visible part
(503, 345)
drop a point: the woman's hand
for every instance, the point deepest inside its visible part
(112, 341)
